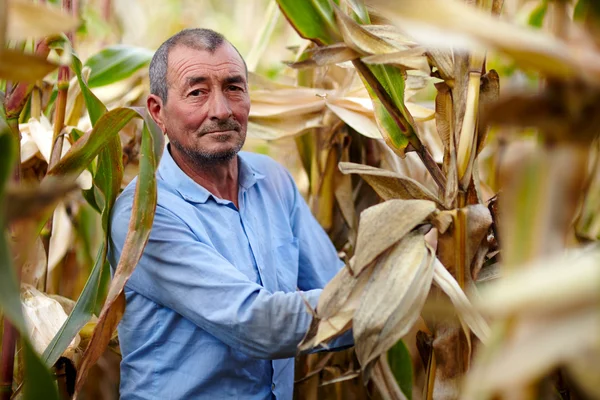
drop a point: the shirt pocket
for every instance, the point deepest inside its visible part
(286, 255)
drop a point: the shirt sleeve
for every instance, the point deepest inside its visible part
(180, 272)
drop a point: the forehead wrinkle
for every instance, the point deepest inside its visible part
(196, 71)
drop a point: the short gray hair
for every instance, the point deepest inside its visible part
(198, 39)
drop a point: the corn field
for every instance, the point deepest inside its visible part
(450, 148)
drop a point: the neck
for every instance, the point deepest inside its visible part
(219, 178)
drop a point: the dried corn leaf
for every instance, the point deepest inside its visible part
(383, 225)
(451, 23)
(535, 347)
(390, 185)
(326, 55)
(361, 123)
(413, 59)
(466, 311)
(561, 283)
(393, 298)
(390, 34)
(358, 38)
(336, 307)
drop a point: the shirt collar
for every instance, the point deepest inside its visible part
(170, 172)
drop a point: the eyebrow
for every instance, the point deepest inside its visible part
(194, 80)
(234, 79)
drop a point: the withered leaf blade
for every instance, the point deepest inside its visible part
(30, 202)
(326, 55)
(383, 225)
(466, 311)
(412, 59)
(393, 298)
(17, 66)
(361, 40)
(336, 307)
(390, 185)
(535, 347)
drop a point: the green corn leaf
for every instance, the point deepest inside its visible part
(142, 217)
(401, 365)
(94, 106)
(392, 80)
(115, 63)
(312, 19)
(536, 18)
(108, 183)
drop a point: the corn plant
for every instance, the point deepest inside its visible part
(529, 205)
(45, 159)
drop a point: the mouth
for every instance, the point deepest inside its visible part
(221, 132)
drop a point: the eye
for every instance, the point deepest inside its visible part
(195, 92)
(236, 88)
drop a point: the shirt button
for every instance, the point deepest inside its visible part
(273, 387)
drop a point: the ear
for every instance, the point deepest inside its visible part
(155, 108)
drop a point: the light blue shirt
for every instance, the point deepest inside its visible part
(216, 306)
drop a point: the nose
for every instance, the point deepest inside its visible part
(219, 107)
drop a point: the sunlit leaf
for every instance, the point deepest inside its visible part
(115, 63)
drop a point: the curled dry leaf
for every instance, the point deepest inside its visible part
(408, 59)
(43, 317)
(390, 185)
(385, 224)
(393, 298)
(336, 307)
(358, 38)
(466, 311)
(326, 55)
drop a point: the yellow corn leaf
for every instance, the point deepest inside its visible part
(361, 123)
(561, 283)
(388, 184)
(358, 38)
(466, 311)
(326, 55)
(391, 34)
(36, 20)
(336, 307)
(17, 66)
(275, 128)
(395, 293)
(408, 59)
(535, 347)
(452, 23)
(385, 224)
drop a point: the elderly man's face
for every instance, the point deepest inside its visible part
(206, 114)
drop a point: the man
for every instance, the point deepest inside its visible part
(213, 307)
